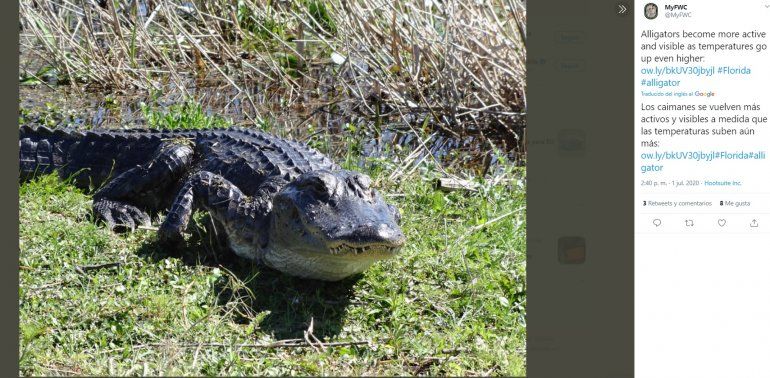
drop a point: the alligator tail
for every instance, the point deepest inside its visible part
(42, 150)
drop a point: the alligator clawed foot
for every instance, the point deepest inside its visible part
(120, 216)
(170, 240)
(170, 235)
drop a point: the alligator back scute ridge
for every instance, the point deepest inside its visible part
(246, 156)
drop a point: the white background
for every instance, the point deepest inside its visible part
(702, 293)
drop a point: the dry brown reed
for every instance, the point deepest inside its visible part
(452, 66)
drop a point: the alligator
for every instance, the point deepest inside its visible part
(279, 202)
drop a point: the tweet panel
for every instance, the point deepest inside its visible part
(702, 189)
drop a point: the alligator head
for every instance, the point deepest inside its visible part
(331, 224)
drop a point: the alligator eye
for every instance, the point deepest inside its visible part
(363, 181)
(396, 214)
(315, 184)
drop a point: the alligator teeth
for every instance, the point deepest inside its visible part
(344, 248)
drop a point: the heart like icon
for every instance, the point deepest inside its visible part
(656, 222)
(722, 222)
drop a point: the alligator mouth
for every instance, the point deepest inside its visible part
(371, 249)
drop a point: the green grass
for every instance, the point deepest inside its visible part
(452, 303)
(186, 115)
(319, 11)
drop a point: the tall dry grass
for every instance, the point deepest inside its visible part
(453, 65)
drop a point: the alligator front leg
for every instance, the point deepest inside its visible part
(118, 203)
(243, 218)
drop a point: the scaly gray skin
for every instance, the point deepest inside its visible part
(278, 201)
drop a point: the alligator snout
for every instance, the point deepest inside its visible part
(370, 233)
